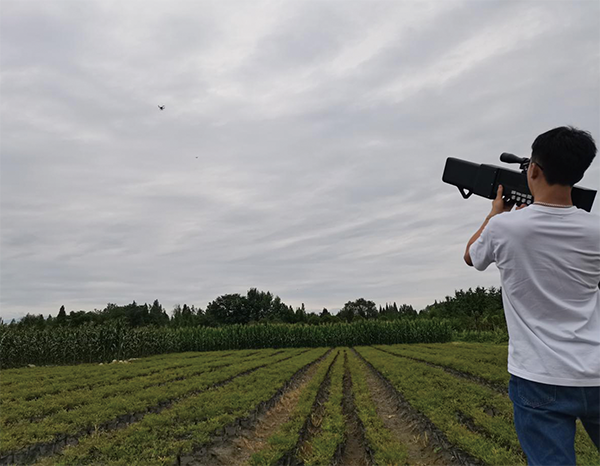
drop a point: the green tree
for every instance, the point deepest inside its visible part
(300, 315)
(407, 311)
(359, 309)
(280, 312)
(32, 321)
(61, 318)
(259, 305)
(187, 315)
(478, 309)
(157, 315)
(228, 309)
(325, 317)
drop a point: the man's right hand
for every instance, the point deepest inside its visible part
(499, 205)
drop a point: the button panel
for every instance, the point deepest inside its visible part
(520, 198)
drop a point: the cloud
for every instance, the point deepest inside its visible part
(300, 151)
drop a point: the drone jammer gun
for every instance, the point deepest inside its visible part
(483, 180)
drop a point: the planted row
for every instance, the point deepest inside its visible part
(71, 396)
(104, 412)
(386, 449)
(323, 446)
(95, 376)
(488, 353)
(284, 441)
(49, 374)
(448, 402)
(473, 417)
(181, 430)
(460, 361)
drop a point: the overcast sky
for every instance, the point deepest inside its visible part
(300, 150)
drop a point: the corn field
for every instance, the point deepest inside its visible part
(103, 343)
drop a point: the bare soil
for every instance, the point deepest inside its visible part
(238, 450)
(405, 425)
(355, 451)
(313, 424)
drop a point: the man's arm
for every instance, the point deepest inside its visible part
(473, 239)
(498, 207)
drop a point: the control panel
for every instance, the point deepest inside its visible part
(518, 198)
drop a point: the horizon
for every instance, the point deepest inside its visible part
(333, 311)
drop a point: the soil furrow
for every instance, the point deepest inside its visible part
(67, 378)
(426, 443)
(113, 395)
(95, 384)
(31, 453)
(254, 431)
(313, 422)
(503, 390)
(470, 424)
(355, 451)
(143, 387)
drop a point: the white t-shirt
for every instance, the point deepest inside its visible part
(549, 262)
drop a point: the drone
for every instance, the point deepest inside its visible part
(162, 107)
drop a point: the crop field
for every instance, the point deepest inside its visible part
(416, 404)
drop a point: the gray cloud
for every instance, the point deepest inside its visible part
(300, 151)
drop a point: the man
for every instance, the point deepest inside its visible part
(548, 255)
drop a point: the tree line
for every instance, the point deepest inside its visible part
(478, 309)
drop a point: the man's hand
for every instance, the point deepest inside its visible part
(499, 205)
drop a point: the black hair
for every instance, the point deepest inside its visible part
(564, 154)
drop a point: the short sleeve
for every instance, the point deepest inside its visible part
(482, 250)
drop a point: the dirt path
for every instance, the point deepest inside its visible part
(239, 449)
(313, 424)
(354, 452)
(403, 425)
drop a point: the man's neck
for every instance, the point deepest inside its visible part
(556, 195)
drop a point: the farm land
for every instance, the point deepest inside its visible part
(416, 404)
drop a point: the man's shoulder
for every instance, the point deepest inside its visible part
(588, 217)
(512, 217)
(529, 217)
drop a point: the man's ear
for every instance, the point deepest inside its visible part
(535, 171)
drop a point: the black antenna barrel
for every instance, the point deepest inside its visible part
(511, 158)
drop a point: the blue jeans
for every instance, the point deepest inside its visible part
(545, 418)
